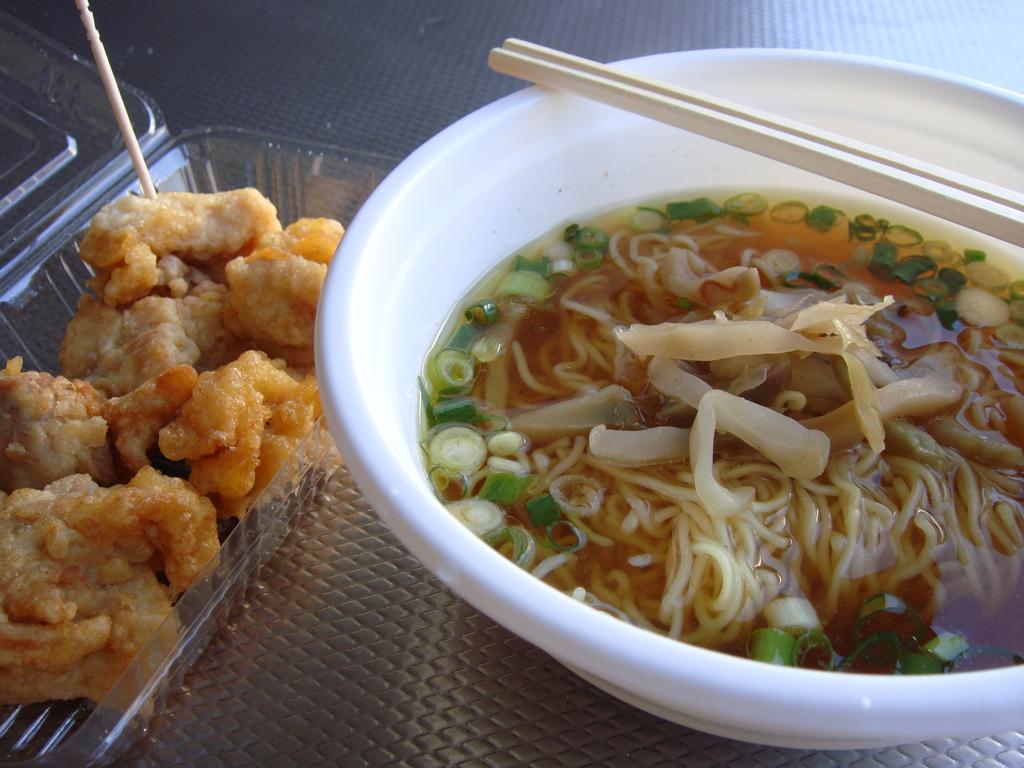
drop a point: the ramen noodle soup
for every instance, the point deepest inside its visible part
(772, 429)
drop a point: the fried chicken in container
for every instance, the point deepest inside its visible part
(79, 592)
(50, 427)
(195, 355)
(127, 238)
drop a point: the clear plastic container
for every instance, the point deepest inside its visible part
(47, 197)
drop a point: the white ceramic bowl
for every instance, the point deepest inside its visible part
(533, 160)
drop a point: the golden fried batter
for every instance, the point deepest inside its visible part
(50, 427)
(221, 429)
(273, 297)
(119, 349)
(78, 591)
(136, 419)
(312, 239)
(127, 237)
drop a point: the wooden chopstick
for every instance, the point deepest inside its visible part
(958, 198)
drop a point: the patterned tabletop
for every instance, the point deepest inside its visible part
(347, 651)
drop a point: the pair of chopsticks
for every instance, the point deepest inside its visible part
(969, 202)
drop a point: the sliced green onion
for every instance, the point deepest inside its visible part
(807, 279)
(505, 487)
(887, 613)
(506, 464)
(516, 544)
(987, 275)
(1017, 289)
(814, 651)
(454, 368)
(789, 212)
(931, 288)
(684, 303)
(945, 646)
(428, 407)
(772, 646)
(648, 220)
(745, 204)
(883, 260)
(700, 210)
(878, 652)
(463, 337)
(506, 443)
(902, 236)
(913, 267)
(980, 307)
(558, 530)
(954, 278)
(446, 485)
(940, 252)
(527, 285)
(971, 254)
(822, 218)
(562, 270)
(460, 410)
(792, 614)
(946, 312)
(542, 510)
(913, 663)
(830, 272)
(481, 516)
(863, 228)
(591, 237)
(483, 312)
(588, 258)
(458, 449)
(570, 232)
(540, 266)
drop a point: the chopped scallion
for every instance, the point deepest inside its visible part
(454, 368)
(458, 449)
(913, 663)
(745, 204)
(700, 210)
(484, 312)
(945, 646)
(505, 487)
(822, 218)
(883, 260)
(931, 288)
(789, 212)
(879, 652)
(525, 285)
(954, 278)
(463, 337)
(913, 267)
(591, 237)
(888, 613)
(902, 236)
(516, 544)
(481, 516)
(564, 536)
(542, 510)
(947, 315)
(540, 266)
(772, 646)
(648, 220)
(814, 651)
(457, 410)
(972, 254)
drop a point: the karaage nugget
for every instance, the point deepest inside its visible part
(220, 431)
(79, 594)
(315, 239)
(136, 419)
(119, 349)
(128, 237)
(50, 427)
(274, 291)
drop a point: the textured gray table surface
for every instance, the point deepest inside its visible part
(348, 652)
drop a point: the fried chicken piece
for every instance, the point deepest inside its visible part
(136, 419)
(128, 237)
(50, 427)
(78, 591)
(221, 430)
(118, 349)
(274, 291)
(311, 238)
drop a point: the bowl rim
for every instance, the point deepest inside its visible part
(857, 707)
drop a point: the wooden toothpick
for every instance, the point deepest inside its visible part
(114, 94)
